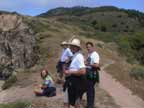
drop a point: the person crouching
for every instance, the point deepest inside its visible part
(47, 87)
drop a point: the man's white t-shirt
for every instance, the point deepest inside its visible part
(77, 62)
(94, 57)
(66, 53)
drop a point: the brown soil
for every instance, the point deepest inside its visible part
(23, 90)
(110, 93)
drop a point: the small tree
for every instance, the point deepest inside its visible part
(137, 72)
(103, 28)
(94, 22)
(114, 25)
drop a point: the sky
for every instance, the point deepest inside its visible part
(36, 7)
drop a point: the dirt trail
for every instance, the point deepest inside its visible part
(15, 93)
(122, 95)
(110, 94)
(1, 95)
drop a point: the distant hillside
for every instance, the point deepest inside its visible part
(106, 18)
(5, 12)
(77, 11)
(120, 30)
(108, 23)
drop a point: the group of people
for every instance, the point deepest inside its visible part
(80, 74)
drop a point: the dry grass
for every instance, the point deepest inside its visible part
(108, 52)
(103, 100)
(48, 41)
(120, 70)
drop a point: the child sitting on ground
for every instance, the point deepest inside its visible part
(47, 88)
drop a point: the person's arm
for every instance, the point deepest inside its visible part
(45, 84)
(95, 65)
(81, 71)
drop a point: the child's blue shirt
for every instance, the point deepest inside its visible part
(48, 81)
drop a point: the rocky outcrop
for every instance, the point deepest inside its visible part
(17, 43)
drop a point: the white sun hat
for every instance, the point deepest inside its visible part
(75, 42)
(64, 43)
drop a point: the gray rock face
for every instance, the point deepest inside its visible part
(17, 43)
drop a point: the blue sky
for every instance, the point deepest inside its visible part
(35, 7)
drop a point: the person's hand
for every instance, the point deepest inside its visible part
(87, 64)
(67, 60)
(37, 85)
(66, 72)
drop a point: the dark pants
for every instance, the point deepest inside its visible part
(76, 86)
(59, 66)
(90, 93)
(49, 92)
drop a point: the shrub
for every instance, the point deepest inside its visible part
(139, 55)
(137, 72)
(114, 25)
(94, 22)
(17, 104)
(5, 71)
(103, 29)
(102, 14)
(9, 82)
(99, 45)
(132, 30)
(96, 27)
(137, 44)
(122, 23)
(127, 26)
(125, 30)
(119, 16)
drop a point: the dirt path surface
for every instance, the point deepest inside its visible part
(122, 96)
(109, 94)
(15, 93)
(103, 99)
(24, 91)
(1, 94)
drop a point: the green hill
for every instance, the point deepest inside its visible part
(108, 23)
(107, 18)
(122, 29)
(119, 29)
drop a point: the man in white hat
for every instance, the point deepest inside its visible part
(66, 55)
(75, 84)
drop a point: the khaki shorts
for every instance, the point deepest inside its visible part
(66, 96)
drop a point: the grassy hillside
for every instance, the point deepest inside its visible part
(16, 105)
(110, 24)
(111, 29)
(120, 30)
(108, 17)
